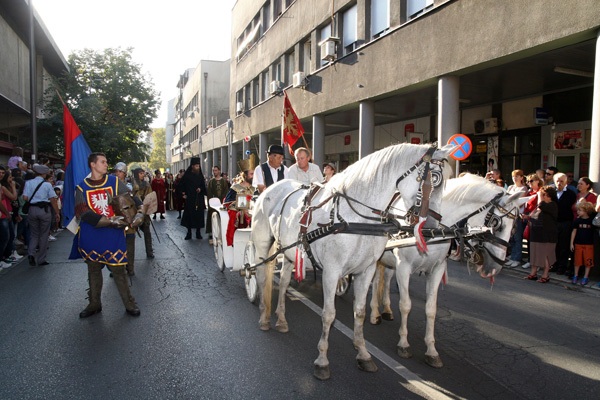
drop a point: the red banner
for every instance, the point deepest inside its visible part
(291, 128)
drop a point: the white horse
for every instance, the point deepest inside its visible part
(350, 197)
(470, 197)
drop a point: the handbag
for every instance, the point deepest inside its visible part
(596, 221)
(25, 208)
(526, 232)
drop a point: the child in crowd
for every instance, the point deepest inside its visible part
(58, 227)
(582, 241)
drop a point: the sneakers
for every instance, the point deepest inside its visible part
(51, 238)
(5, 265)
(511, 264)
(584, 281)
(526, 265)
(16, 255)
(575, 279)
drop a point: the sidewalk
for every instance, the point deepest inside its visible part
(556, 279)
(58, 249)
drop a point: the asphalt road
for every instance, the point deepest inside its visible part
(198, 336)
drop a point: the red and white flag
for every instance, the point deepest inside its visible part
(291, 128)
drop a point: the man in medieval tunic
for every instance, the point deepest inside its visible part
(242, 189)
(100, 240)
(271, 171)
(193, 190)
(142, 188)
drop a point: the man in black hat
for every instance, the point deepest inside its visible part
(193, 189)
(271, 171)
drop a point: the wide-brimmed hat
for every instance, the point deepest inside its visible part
(275, 149)
(331, 165)
(41, 169)
(247, 164)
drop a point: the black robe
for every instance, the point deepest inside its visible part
(193, 210)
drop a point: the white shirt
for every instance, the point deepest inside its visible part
(313, 174)
(259, 179)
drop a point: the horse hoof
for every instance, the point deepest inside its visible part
(387, 316)
(434, 361)
(376, 321)
(283, 328)
(322, 373)
(367, 365)
(404, 352)
(264, 327)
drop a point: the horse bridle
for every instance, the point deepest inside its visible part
(494, 223)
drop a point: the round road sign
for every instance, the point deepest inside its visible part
(463, 146)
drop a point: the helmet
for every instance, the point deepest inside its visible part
(121, 166)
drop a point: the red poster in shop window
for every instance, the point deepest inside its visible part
(347, 139)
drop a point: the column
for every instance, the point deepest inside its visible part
(216, 160)
(366, 128)
(237, 147)
(262, 148)
(245, 149)
(224, 160)
(448, 122)
(209, 162)
(318, 145)
(594, 172)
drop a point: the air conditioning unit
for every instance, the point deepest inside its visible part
(190, 114)
(298, 79)
(328, 49)
(275, 87)
(490, 125)
(239, 107)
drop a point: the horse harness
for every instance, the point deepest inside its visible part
(385, 223)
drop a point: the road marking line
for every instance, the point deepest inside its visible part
(415, 384)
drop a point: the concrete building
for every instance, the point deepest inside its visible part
(516, 76)
(202, 104)
(15, 92)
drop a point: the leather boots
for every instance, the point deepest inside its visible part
(120, 277)
(94, 291)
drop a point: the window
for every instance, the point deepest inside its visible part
(276, 9)
(266, 16)
(265, 83)
(325, 33)
(380, 17)
(307, 56)
(350, 35)
(255, 92)
(414, 7)
(291, 67)
(277, 72)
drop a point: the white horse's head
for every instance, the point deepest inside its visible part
(485, 205)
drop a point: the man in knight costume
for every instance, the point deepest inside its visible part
(100, 240)
(271, 171)
(141, 189)
(242, 188)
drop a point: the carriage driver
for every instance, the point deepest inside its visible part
(271, 171)
(242, 187)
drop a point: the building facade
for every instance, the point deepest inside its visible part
(15, 88)
(516, 76)
(202, 104)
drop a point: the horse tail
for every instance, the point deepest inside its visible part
(269, 271)
(380, 273)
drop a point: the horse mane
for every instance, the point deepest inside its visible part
(396, 159)
(467, 189)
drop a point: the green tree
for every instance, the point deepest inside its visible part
(158, 156)
(112, 101)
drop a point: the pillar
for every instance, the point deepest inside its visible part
(594, 172)
(366, 129)
(318, 144)
(448, 121)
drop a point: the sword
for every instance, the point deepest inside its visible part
(155, 233)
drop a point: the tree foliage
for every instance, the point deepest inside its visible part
(112, 101)
(158, 156)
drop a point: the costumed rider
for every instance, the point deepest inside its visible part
(100, 239)
(271, 171)
(238, 198)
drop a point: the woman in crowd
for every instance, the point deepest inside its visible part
(584, 193)
(535, 183)
(170, 187)
(159, 187)
(544, 234)
(9, 195)
(516, 241)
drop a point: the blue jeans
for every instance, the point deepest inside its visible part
(516, 241)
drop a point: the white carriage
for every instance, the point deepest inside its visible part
(233, 257)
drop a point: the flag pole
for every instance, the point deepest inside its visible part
(60, 97)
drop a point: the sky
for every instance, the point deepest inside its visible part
(167, 37)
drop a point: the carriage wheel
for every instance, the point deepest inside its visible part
(218, 240)
(343, 285)
(250, 278)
